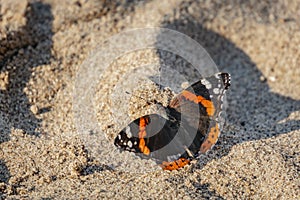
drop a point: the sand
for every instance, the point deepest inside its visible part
(43, 45)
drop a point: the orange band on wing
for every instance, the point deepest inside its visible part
(199, 99)
(211, 139)
(142, 134)
(181, 162)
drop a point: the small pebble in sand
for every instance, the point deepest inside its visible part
(3, 80)
(272, 78)
(262, 78)
(34, 109)
(184, 85)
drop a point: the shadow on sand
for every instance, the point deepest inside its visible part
(32, 40)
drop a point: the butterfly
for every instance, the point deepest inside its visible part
(191, 127)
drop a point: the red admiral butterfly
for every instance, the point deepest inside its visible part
(192, 126)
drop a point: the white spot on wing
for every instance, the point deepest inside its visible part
(216, 90)
(206, 83)
(128, 132)
(129, 144)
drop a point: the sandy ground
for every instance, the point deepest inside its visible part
(42, 46)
